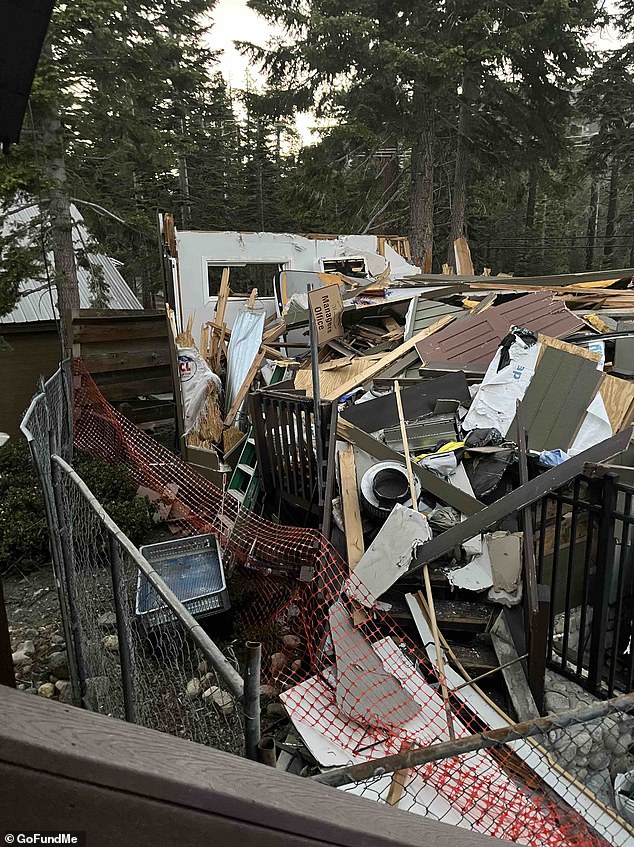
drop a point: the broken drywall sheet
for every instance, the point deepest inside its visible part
(389, 556)
(495, 402)
(335, 739)
(364, 691)
(505, 549)
(476, 574)
(603, 821)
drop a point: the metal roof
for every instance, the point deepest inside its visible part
(476, 338)
(38, 306)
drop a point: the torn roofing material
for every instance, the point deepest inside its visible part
(476, 338)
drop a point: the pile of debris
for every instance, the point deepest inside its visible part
(374, 493)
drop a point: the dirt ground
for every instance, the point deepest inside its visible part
(34, 615)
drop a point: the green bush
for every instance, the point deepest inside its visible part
(23, 528)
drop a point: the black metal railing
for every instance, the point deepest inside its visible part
(583, 539)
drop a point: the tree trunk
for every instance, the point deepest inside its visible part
(422, 178)
(531, 200)
(593, 216)
(610, 220)
(61, 225)
(183, 179)
(470, 87)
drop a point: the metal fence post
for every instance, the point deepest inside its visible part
(123, 631)
(252, 699)
(67, 558)
(602, 580)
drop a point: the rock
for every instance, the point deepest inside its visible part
(202, 668)
(64, 691)
(583, 742)
(555, 702)
(57, 641)
(194, 687)
(278, 660)
(47, 690)
(208, 680)
(275, 711)
(52, 678)
(268, 691)
(222, 700)
(111, 643)
(57, 664)
(611, 737)
(31, 690)
(291, 641)
(20, 658)
(598, 761)
(27, 647)
(107, 621)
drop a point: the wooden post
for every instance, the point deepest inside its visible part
(430, 600)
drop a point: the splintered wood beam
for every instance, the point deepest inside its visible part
(244, 388)
(355, 547)
(388, 359)
(219, 318)
(252, 298)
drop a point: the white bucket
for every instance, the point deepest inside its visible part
(624, 785)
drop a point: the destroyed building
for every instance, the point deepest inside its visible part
(415, 492)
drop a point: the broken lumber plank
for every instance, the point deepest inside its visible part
(388, 359)
(514, 676)
(219, 318)
(355, 546)
(516, 500)
(464, 262)
(436, 486)
(244, 388)
(252, 298)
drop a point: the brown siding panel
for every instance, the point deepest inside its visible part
(475, 339)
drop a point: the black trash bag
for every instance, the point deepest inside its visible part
(485, 472)
(483, 438)
(528, 337)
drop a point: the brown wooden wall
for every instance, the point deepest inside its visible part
(64, 769)
(27, 351)
(127, 354)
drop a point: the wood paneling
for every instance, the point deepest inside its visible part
(128, 356)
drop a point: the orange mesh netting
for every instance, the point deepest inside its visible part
(355, 686)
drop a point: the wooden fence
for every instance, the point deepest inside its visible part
(127, 354)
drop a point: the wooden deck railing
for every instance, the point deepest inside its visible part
(64, 769)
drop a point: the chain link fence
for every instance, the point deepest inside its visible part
(169, 676)
(529, 798)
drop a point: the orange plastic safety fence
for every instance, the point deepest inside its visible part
(354, 684)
